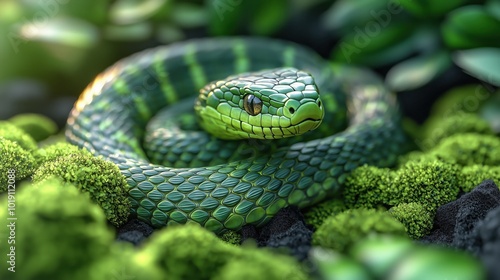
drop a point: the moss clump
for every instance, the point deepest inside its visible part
(473, 175)
(341, 231)
(39, 127)
(438, 128)
(187, 252)
(261, 264)
(60, 233)
(416, 219)
(191, 252)
(317, 214)
(367, 186)
(123, 263)
(431, 183)
(427, 181)
(231, 237)
(11, 132)
(468, 149)
(54, 151)
(16, 163)
(459, 100)
(94, 175)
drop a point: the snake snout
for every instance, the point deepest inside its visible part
(308, 111)
(307, 116)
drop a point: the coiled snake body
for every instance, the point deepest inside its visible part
(110, 118)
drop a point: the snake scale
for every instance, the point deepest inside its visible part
(110, 117)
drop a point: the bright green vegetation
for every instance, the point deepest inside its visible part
(192, 252)
(469, 148)
(101, 179)
(60, 233)
(52, 152)
(317, 214)
(394, 257)
(231, 237)
(429, 182)
(39, 127)
(438, 128)
(11, 132)
(415, 217)
(341, 231)
(16, 163)
(64, 235)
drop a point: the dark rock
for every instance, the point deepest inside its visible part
(134, 231)
(487, 235)
(480, 201)
(249, 232)
(454, 222)
(286, 230)
(297, 239)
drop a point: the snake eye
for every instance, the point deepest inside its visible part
(252, 104)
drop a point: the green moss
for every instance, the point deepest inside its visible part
(11, 132)
(261, 264)
(468, 149)
(59, 232)
(192, 252)
(341, 231)
(317, 214)
(473, 175)
(187, 252)
(39, 127)
(429, 182)
(438, 128)
(54, 151)
(16, 163)
(231, 237)
(423, 179)
(367, 187)
(101, 179)
(53, 139)
(459, 100)
(123, 263)
(416, 219)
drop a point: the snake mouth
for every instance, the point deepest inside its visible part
(309, 117)
(307, 125)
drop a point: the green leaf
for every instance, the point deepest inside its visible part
(481, 63)
(132, 32)
(344, 15)
(168, 33)
(426, 9)
(493, 7)
(133, 11)
(260, 17)
(269, 17)
(471, 27)
(66, 31)
(10, 11)
(490, 111)
(378, 48)
(226, 16)
(416, 72)
(189, 15)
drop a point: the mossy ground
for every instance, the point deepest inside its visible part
(76, 198)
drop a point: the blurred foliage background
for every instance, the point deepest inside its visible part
(51, 49)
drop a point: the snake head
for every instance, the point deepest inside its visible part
(268, 104)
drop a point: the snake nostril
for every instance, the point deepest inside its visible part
(319, 104)
(291, 110)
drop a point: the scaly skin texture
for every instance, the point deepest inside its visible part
(110, 118)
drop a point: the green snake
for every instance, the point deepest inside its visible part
(275, 89)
